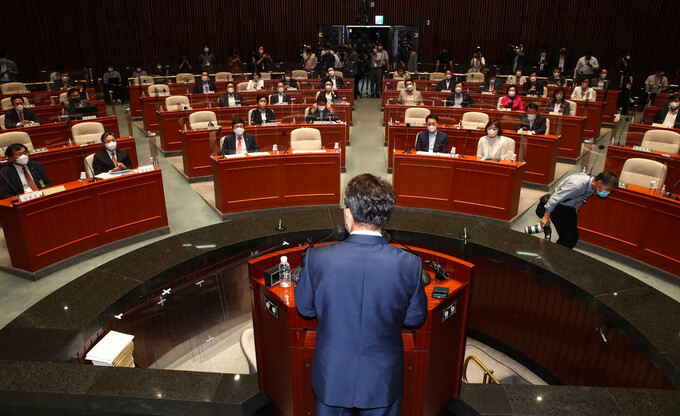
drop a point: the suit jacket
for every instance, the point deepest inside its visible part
(10, 183)
(441, 142)
(564, 108)
(256, 118)
(442, 85)
(339, 83)
(317, 115)
(553, 81)
(198, 89)
(292, 83)
(70, 108)
(467, 100)
(223, 101)
(538, 127)
(595, 83)
(361, 291)
(102, 162)
(660, 116)
(527, 86)
(274, 98)
(567, 63)
(417, 97)
(12, 117)
(333, 94)
(497, 86)
(229, 144)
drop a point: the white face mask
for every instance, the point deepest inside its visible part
(287, 78)
(109, 69)
(492, 133)
(409, 87)
(603, 76)
(261, 51)
(22, 160)
(432, 129)
(380, 47)
(110, 146)
(139, 69)
(204, 78)
(159, 66)
(519, 74)
(375, 50)
(321, 107)
(556, 74)
(19, 107)
(559, 97)
(331, 73)
(448, 76)
(230, 90)
(239, 131)
(64, 79)
(531, 116)
(532, 79)
(280, 90)
(511, 94)
(206, 50)
(675, 105)
(329, 87)
(459, 90)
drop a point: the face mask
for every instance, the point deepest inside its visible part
(375, 50)
(532, 79)
(261, 51)
(556, 74)
(329, 87)
(321, 107)
(287, 78)
(230, 90)
(139, 69)
(22, 160)
(559, 97)
(204, 78)
(263, 104)
(518, 74)
(603, 193)
(64, 79)
(206, 50)
(380, 47)
(492, 80)
(431, 129)
(584, 86)
(627, 56)
(511, 94)
(109, 69)
(531, 116)
(409, 87)
(675, 105)
(76, 99)
(21, 107)
(110, 146)
(459, 90)
(239, 131)
(331, 73)
(492, 133)
(280, 90)
(603, 76)
(448, 76)
(158, 67)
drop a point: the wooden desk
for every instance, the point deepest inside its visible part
(636, 133)
(433, 352)
(196, 144)
(471, 186)
(51, 228)
(617, 156)
(540, 157)
(63, 164)
(51, 113)
(171, 122)
(274, 181)
(47, 98)
(572, 126)
(57, 133)
(635, 222)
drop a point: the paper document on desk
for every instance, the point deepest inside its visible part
(309, 151)
(235, 156)
(109, 175)
(420, 152)
(258, 153)
(110, 347)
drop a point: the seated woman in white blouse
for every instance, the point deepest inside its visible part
(257, 83)
(493, 145)
(583, 91)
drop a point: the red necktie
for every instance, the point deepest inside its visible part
(115, 161)
(21, 115)
(239, 146)
(30, 180)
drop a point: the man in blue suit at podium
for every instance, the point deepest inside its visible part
(362, 291)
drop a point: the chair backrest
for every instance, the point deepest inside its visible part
(572, 107)
(201, 119)
(223, 77)
(12, 87)
(498, 104)
(305, 138)
(89, 131)
(662, 141)
(2, 122)
(185, 76)
(547, 125)
(593, 96)
(640, 172)
(242, 86)
(88, 165)
(177, 102)
(545, 92)
(512, 79)
(157, 89)
(339, 74)
(299, 74)
(222, 139)
(416, 115)
(146, 80)
(511, 148)
(6, 103)
(266, 75)
(437, 76)
(473, 119)
(401, 86)
(63, 98)
(15, 137)
(474, 77)
(250, 114)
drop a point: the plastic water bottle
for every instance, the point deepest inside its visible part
(70, 142)
(284, 272)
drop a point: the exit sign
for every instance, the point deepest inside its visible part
(379, 20)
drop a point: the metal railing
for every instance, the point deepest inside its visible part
(489, 378)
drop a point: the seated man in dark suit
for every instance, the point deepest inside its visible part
(289, 81)
(65, 83)
(557, 78)
(239, 141)
(601, 82)
(447, 84)
(532, 86)
(231, 98)
(281, 97)
(319, 111)
(336, 82)
(432, 140)
(459, 98)
(75, 101)
(532, 122)
(668, 116)
(19, 116)
(205, 85)
(21, 176)
(110, 159)
(262, 114)
(492, 84)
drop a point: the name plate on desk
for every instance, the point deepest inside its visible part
(89, 117)
(147, 168)
(30, 195)
(270, 123)
(235, 155)
(623, 185)
(281, 103)
(258, 153)
(214, 127)
(41, 150)
(445, 91)
(487, 93)
(322, 122)
(642, 149)
(53, 190)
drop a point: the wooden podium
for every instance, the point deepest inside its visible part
(433, 353)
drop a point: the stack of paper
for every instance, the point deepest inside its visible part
(114, 350)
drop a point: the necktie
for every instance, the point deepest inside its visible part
(30, 180)
(21, 115)
(239, 146)
(115, 161)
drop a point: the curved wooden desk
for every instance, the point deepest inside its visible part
(617, 156)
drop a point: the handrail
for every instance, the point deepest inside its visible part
(489, 378)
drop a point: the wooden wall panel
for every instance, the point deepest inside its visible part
(40, 34)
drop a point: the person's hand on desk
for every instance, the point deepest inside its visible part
(118, 167)
(524, 130)
(329, 107)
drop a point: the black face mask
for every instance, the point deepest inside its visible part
(76, 99)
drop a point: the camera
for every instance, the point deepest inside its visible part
(536, 228)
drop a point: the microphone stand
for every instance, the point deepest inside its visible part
(670, 192)
(462, 153)
(406, 148)
(600, 147)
